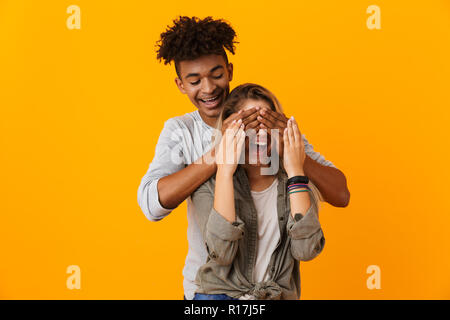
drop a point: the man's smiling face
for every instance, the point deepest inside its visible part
(206, 81)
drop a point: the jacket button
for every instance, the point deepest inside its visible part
(281, 218)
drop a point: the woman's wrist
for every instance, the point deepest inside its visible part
(293, 173)
(223, 173)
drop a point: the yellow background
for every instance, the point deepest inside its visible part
(81, 112)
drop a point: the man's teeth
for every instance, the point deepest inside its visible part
(211, 99)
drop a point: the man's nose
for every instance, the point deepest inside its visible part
(208, 86)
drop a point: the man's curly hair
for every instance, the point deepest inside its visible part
(191, 38)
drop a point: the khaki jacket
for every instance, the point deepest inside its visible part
(232, 247)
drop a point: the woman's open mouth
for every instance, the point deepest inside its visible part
(258, 152)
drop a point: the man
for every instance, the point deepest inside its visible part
(181, 165)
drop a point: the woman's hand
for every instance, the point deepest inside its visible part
(293, 150)
(230, 148)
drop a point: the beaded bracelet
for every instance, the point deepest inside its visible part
(303, 190)
(295, 185)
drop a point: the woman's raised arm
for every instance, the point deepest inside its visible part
(307, 239)
(223, 228)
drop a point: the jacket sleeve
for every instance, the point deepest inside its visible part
(221, 236)
(168, 159)
(307, 239)
(316, 156)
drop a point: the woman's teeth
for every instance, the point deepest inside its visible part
(259, 146)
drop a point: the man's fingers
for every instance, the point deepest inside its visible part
(245, 113)
(280, 117)
(241, 114)
(252, 125)
(267, 122)
(279, 120)
(266, 114)
(250, 118)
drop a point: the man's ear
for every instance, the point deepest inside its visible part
(230, 71)
(180, 85)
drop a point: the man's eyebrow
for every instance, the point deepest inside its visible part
(216, 68)
(192, 75)
(210, 71)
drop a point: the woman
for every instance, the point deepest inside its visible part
(256, 227)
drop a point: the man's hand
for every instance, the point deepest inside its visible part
(248, 117)
(257, 118)
(269, 119)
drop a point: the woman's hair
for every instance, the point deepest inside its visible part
(250, 91)
(190, 38)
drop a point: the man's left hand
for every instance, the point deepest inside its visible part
(273, 120)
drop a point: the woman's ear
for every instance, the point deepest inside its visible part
(180, 85)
